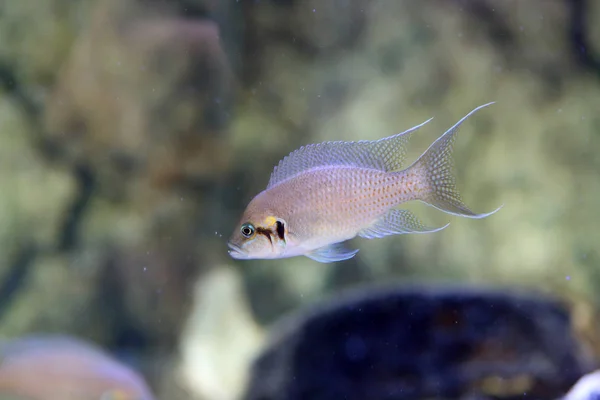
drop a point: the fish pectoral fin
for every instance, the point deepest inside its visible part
(397, 222)
(331, 253)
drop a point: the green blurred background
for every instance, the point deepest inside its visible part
(133, 133)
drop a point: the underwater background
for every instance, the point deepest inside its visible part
(133, 133)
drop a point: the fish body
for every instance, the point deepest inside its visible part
(322, 195)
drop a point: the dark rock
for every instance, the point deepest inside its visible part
(410, 343)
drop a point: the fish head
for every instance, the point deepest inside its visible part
(260, 234)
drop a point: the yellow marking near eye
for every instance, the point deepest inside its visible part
(270, 221)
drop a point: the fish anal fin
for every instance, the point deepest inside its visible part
(332, 253)
(397, 222)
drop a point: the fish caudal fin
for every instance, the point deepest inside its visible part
(435, 167)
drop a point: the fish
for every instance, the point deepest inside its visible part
(322, 195)
(49, 367)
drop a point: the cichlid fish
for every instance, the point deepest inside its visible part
(50, 367)
(324, 194)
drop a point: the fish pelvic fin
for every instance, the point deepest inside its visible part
(435, 168)
(332, 253)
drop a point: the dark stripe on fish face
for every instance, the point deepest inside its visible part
(265, 232)
(280, 230)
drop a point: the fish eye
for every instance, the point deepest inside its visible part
(247, 230)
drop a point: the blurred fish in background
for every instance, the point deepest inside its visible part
(50, 367)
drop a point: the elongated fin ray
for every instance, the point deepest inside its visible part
(397, 222)
(386, 154)
(331, 253)
(436, 166)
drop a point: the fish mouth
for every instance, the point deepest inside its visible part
(236, 251)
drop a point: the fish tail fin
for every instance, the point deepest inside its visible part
(435, 169)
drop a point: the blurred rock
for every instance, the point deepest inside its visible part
(35, 40)
(137, 124)
(143, 95)
(49, 367)
(220, 338)
(35, 197)
(109, 190)
(40, 305)
(422, 342)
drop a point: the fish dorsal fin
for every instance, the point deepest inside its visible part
(386, 154)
